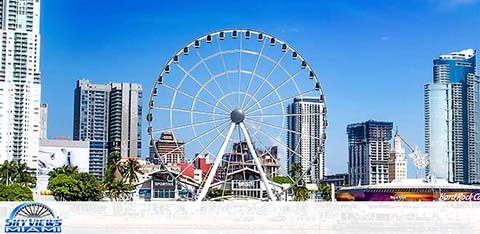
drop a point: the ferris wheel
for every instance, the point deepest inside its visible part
(247, 100)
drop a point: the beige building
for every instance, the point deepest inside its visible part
(397, 165)
(170, 151)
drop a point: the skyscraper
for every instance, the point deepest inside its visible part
(125, 120)
(369, 152)
(43, 121)
(20, 81)
(451, 118)
(397, 165)
(306, 136)
(109, 116)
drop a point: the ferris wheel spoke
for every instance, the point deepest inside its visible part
(189, 125)
(291, 77)
(223, 61)
(257, 139)
(201, 85)
(266, 78)
(188, 111)
(310, 166)
(220, 133)
(239, 68)
(285, 115)
(195, 98)
(205, 149)
(278, 102)
(195, 139)
(209, 71)
(282, 129)
(280, 143)
(253, 72)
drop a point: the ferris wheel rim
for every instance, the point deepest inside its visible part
(202, 60)
(229, 30)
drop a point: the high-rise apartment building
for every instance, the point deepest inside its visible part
(306, 136)
(369, 152)
(109, 116)
(125, 120)
(43, 121)
(397, 165)
(20, 81)
(451, 118)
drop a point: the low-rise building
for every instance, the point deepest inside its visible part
(339, 180)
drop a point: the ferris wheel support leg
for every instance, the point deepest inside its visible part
(216, 164)
(257, 163)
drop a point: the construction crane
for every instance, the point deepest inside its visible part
(420, 159)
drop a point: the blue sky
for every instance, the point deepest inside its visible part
(372, 57)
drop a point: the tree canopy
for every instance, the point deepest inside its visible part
(16, 179)
(15, 192)
(68, 184)
(15, 172)
(326, 191)
(300, 192)
(282, 180)
(120, 176)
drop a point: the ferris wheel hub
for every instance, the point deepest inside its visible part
(237, 116)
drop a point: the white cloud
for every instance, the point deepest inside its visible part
(384, 38)
(327, 171)
(289, 30)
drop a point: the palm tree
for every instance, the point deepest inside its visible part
(118, 190)
(23, 176)
(300, 192)
(131, 168)
(7, 171)
(115, 168)
(296, 170)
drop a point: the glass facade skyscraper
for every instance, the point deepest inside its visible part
(451, 118)
(110, 117)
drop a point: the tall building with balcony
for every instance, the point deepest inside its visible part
(125, 119)
(451, 119)
(306, 136)
(20, 81)
(109, 116)
(369, 152)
